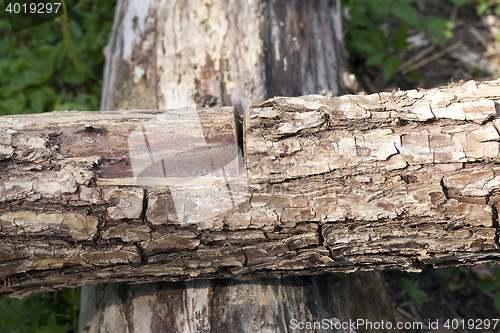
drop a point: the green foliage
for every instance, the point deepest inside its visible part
(410, 287)
(372, 43)
(483, 7)
(439, 30)
(453, 274)
(57, 65)
(41, 312)
(491, 284)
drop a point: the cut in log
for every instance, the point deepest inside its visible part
(392, 180)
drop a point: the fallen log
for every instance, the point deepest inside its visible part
(401, 180)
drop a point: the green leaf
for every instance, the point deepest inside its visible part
(381, 7)
(71, 75)
(19, 65)
(91, 101)
(418, 296)
(75, 29)
(359, 15)
(378, 38)
(496, 300)
(375, 59)
(452, 286)
(29, 77)
(21, 315)
(405, 12)
(363, 45)
(439, 29)
(497, 10)
(13, 105)
(487, 284)
(51, 329)
(40, 98)
(410, 287)
(482, 8)
(389, 66)
(398, 42)
(369, 41)
(52, 319)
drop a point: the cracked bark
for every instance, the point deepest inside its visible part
(417, 192)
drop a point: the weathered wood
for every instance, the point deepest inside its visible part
(405, 179)
(65, 185)
(329, 184)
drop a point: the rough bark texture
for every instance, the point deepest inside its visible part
(407, 179)
(66, 195)
(392, 180)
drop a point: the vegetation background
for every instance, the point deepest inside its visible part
(59, 65)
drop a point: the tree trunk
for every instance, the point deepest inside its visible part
(171, 54)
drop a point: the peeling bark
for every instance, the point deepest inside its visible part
(322, 190)
(407, 179)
